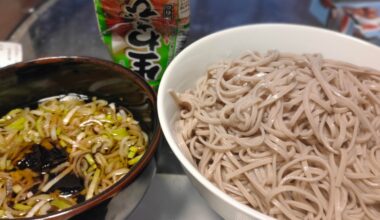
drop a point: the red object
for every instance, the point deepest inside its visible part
(344, 23)
(327, 3)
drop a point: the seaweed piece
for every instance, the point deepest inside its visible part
(31, 160)
(42, 160)
(68, 185)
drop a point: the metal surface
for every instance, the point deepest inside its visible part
(127, 200)
(171, 196)
(69, 27)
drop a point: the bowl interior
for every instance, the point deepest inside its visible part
(194, 60)
(23, 84)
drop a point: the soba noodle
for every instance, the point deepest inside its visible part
(293, 136)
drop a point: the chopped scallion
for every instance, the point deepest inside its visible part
(17, 124)
(16, 188)
(135, 160)
(21, 207)
(60, 204)
(119, 134)
(90, 160)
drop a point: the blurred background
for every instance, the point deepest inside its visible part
(13, 12)
(68, 27)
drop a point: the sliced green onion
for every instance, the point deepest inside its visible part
(60, 204)
(21, 207)
(16, 188)
(3, 162)
(14, 111)
(109, 117)
(90, 160)
(8, 165)
(66, 139)
(10, 115)
(17, 125)
(93, 184)
(69, 115)
(118, 172)
(58, 131)
(44, 209)
(131, 154)
(62, 143)
(92, 168)
(133, 149)
(35, 208)
(135, 160)
(39, 127)
(119, 134)
(41, 197)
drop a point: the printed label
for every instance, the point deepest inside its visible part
(143, 35)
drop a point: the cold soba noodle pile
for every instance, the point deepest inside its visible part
(293, 136)
(64, 152)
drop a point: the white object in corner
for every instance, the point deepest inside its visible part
(10, 53)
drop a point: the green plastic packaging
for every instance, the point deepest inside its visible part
(143, 35)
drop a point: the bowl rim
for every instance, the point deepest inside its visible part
(135, 170)
(165, 122)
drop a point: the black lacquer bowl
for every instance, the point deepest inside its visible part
(23, 84)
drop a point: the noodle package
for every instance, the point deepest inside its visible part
(143, 35)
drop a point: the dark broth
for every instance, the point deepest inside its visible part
(68, 155)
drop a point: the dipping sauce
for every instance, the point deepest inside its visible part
(65, 151)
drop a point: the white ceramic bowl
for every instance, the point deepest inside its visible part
(193, 61)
